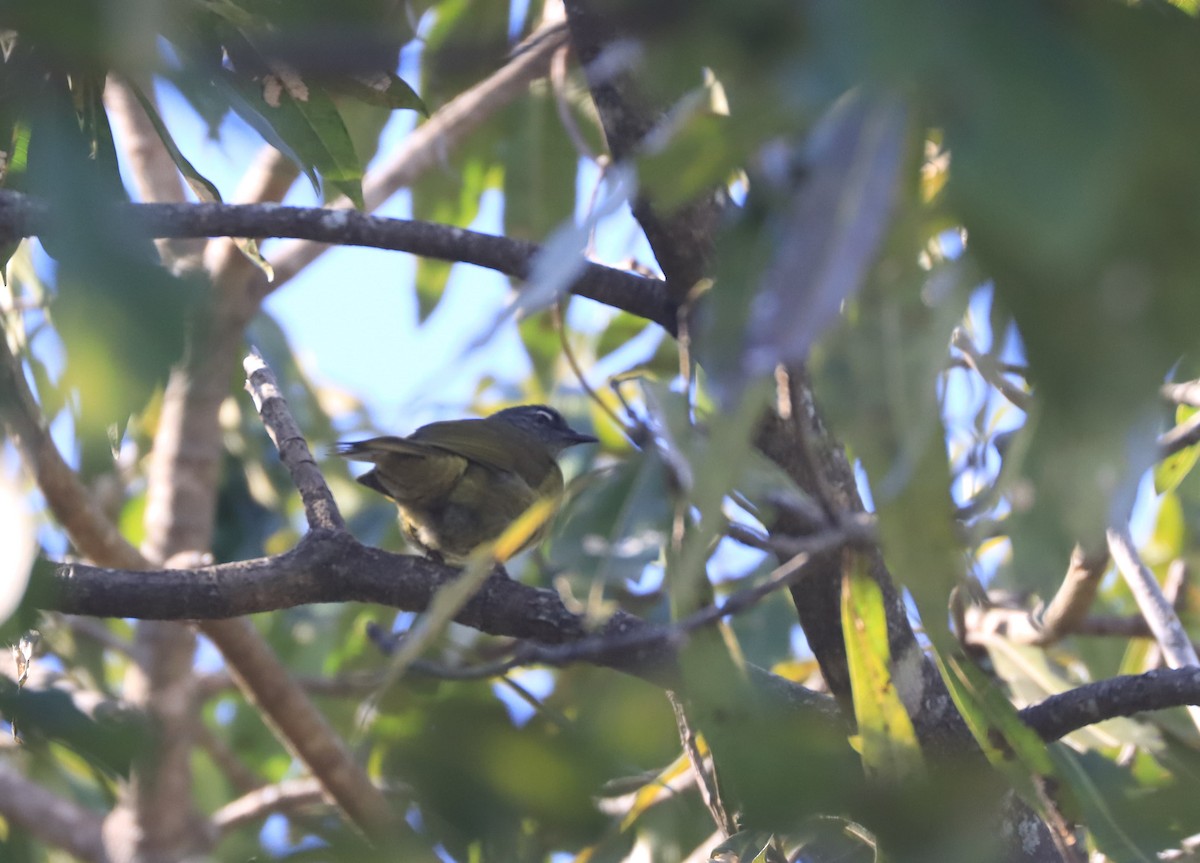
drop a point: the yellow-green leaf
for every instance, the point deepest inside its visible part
(1170, 472)
(889, 745)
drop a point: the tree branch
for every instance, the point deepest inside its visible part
(1086, 705)
(1160, 614)
(319, 506)
(289, 795)
(21, 216)
(1065, 614)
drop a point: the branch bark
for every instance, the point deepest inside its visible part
(21, 216)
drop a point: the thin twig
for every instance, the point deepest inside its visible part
(286, 796)
(53, 819)
(987, 369)
(704, 768)
(556, 313)
(320, 508)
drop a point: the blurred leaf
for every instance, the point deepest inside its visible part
(852, 164)
(745, 846)
(561, 258)
(854, 159)
(18, 538)
(487, 778)
(1108, 816)
(540, 166)
(764, 631)
(467, 42)
(621, 330)
(1092, 256)
(120, 315)
(544, 346)
(657, 789)
(45, 715)
(889, 744)
(617, 522)
(451, 196)
(199, 184)
(877, 375)
(1167, 543)
(703, 149)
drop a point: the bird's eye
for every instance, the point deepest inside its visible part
(545, 416)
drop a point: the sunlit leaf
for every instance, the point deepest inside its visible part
(889, 744)
(1172, 470)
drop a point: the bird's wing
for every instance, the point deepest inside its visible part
(495, 449)
(379, 447)
(409, 472)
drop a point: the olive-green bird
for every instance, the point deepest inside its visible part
(461, 483)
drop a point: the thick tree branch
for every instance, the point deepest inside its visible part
(1086, 705)
(21, 216)
(331, 566)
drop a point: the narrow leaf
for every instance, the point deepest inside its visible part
(889, 743)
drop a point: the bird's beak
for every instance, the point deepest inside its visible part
(580, 437)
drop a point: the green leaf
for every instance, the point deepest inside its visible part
(540, 167)
(44, 715)
(889, 747)
(621, 330)
(1011, 746)
(702, 154)
(1107, 815)
(467, 42)
(450, 196)
(615, 522)
(301, 120)
(385, 90)
(1173, 469)
(199, 184)
(544, 346)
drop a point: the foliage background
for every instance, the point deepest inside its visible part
(967, 229)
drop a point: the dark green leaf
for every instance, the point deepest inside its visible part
(302, 122)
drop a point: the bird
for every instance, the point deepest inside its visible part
(460, 483)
